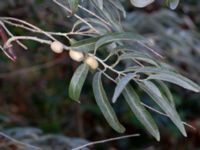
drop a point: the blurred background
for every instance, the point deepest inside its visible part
(34, 103)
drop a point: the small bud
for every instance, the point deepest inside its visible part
(92, 62)
(75, 55)
(57, 47)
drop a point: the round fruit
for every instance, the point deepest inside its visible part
(77, 56)
(57, 47)
(92, 62)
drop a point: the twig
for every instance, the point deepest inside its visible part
(161, 113)
(10, 34)
(149, 48)
(1, 47)
(9, 41)
(75, 15)
(93, 14)
(104, 141)
(18, 142)
(29, 25)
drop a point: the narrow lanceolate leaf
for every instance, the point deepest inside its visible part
(86, 45)
(177, 79)
(152, 90)
(100, 4)
(139, 57)
(140, 111)
(77, 82)
(104, 104)
(173, 4)
(167, 92)
(118, 37)
(73, 4)
(119, 6)
(169, 76)
(121, 85)
(141, 3)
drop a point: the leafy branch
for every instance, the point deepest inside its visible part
(106, 47)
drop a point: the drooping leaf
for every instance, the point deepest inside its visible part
(169, 76)
(167, 92)
(73, 4)
(85, 45)
(100, 25)
(100, 4)
(121, 85)
(151, 70)
(140, 111)
(152, 90)
(77, 82)
(141, 3)
(139, 57)
(119, 6)
(109, 14)
(104, 105)
(118, 37)
(176, 79)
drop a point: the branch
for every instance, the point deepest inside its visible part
(16, 142)
(104, 141)
(75, 15)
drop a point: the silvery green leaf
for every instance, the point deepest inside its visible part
(113, 37)
(173, 4)
(152, 90)
(141, 3)
(139, 57)
(169, 76)
(119, 6)
(95, 22)
(140, 111)
(167, 92)
(109, 14)
(73, 4)
(77, 82)
(121, 85)
(100, 4)
(85, 45)
(104, 105)
(177, 79)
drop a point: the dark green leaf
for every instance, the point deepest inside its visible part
(104, 104)
(77, 82)
(140, 111)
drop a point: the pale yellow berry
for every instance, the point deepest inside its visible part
(57, 47)
(92, 62)
(75, 55)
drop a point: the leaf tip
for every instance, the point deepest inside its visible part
(158, 137)
(114, 100)
(122, 129)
